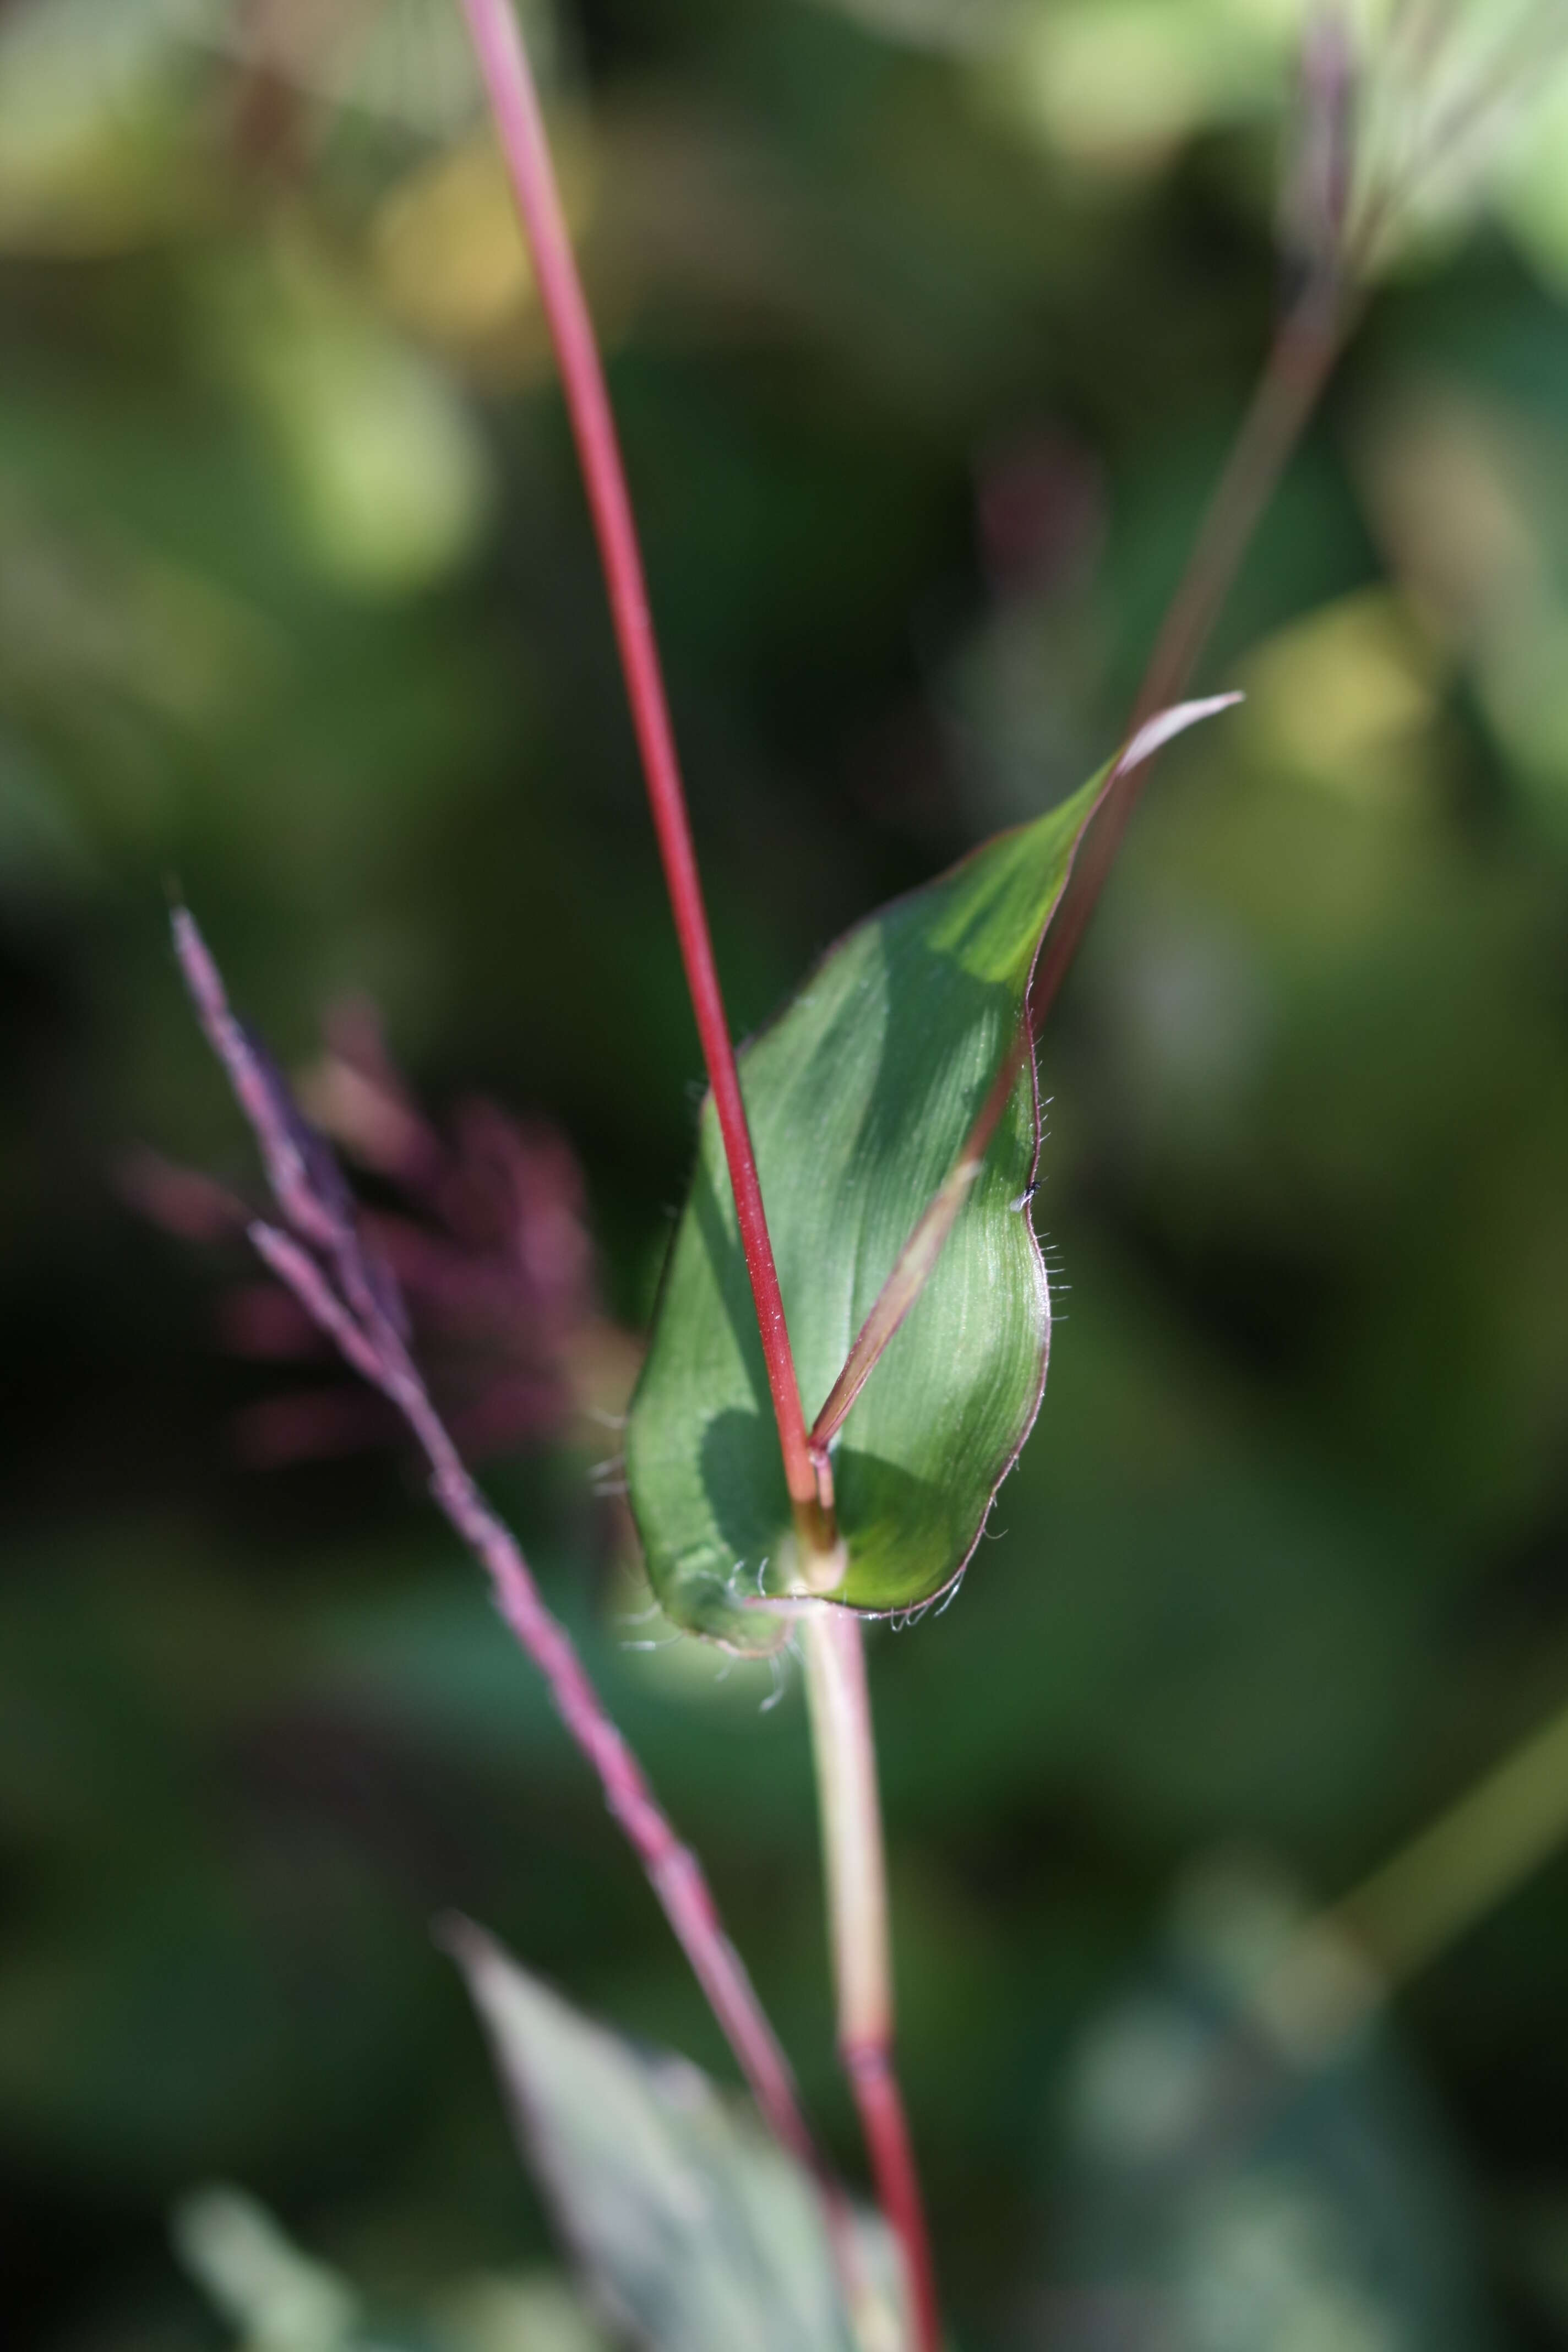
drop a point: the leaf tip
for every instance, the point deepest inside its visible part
(1166, 725)
(475, 1952)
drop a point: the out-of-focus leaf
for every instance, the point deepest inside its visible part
(533, 2310)
(1248, 2162)
(860, 1096)
(277, 2298)
(696, 2233)
(389, 481)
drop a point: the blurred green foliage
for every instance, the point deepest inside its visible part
(928, 325)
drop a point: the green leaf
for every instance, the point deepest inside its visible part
(860, 1096)
(859, 1099)
(694, 2231)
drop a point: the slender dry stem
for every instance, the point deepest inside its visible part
(321, 1256)
(1298, 366)
(1300, 359)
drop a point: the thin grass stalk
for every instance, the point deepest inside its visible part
(1458, 1869)
(318, 1254)
(1309, 337)
(1335, 1973)
(844, 1751)
(1300, 359)
(1342, 1965)
(1300, 364)
(515, 105)
(519, 126)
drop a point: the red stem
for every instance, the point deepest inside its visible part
(673, 1870)
(880, 2106)
(372, 1344)
(324, 1262)
(515, 103)
(917, 1260)
(1300, 361)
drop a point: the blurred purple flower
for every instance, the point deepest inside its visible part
(477, 1251)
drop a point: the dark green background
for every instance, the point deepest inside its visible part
(919, 407)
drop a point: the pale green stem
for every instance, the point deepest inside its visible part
(1344, 1962)
(856, 1871)
(853, 1863)
(1467, 1862)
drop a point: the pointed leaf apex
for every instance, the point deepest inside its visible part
(1165, 726)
